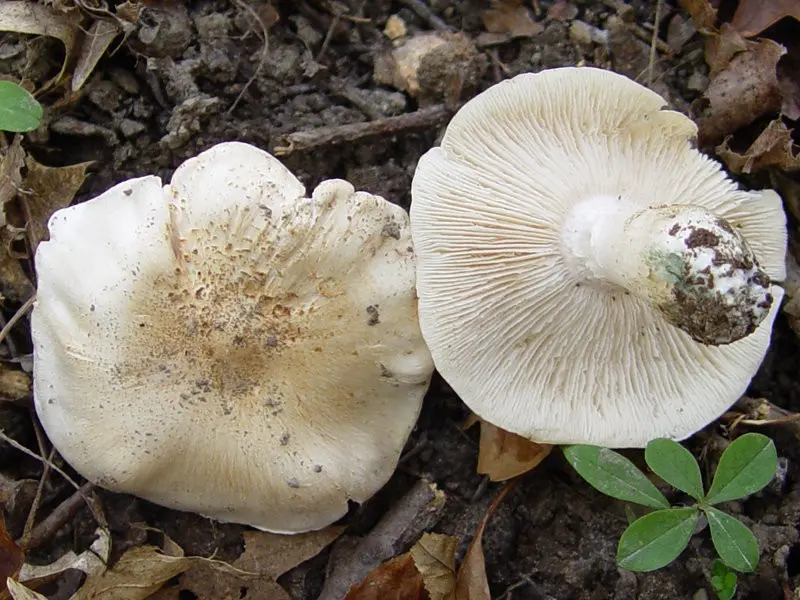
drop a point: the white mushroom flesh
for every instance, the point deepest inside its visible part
(227, 346)
(535, 225)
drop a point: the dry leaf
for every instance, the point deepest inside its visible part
(396, 579)
(139, 573)
(435, 557)
(471, 582)
(504, 455)
(273, 555)
(703, 14)
(92, 561)
(15, 385)
(266, 557)
(48, 189)
(33, 18)
(747, 89)
(214, 580)
(754, 16)
(15, 285)
(95, 43)
(511, 17)
(722, 47)
(10, 175)
(11, 556)
(774, 147)
(20, 592)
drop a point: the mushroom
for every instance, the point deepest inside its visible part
(227, 346)
(585, 275)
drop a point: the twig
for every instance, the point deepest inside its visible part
(416, 512)
(652, 61)
(262, 60)
(337, 17)
(426, 14)
(17, 316)
(333, 135)
(37, 499)
(61, 515)
(15, 444)
(758, 412)
(480, 490)
(645, 35)
(12, 347)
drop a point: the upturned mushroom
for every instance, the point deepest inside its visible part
(585, 274)
(225, 345)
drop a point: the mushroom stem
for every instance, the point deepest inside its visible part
(689, 263)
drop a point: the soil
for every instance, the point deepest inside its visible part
(207, 77)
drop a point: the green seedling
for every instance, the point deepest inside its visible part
(19, 110)
(723, 580)
(656, 539)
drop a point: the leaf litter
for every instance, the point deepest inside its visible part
(428, 570)
(752, 81)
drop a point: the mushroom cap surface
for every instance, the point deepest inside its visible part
(520, 336)
(227, 346)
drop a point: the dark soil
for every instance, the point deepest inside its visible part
(207, 79)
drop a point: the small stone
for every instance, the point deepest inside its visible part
(293, 483)
(130, 128)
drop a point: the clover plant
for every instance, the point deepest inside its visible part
(656, 539)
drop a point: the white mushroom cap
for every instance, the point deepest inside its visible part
(226, 346)
(572, 247)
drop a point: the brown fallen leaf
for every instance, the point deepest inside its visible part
(504, 455)
(20, 592)
(722, 46)
(140, 572)
(15, 285)
(352, 560)
(95, 44)
(11, 164)
(702, 13)
(15, 385)
(754, 16)
(745, 90)
(272, 555)
(213, 580)
(435, 558)
(396, 579)
(48, 189)
(34, 18)
(511, 17)
(252, 576)
(92, 562)
(774, 147)
(11, 556)
(471, 581)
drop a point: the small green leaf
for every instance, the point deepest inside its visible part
(656, 539)
(675, 465)
(735, 543)
(19, 111)
(723, 580)
(614, 475)
(746, 466)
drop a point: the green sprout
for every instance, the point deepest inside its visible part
(723, 580)
(656, 539)
(19, 110)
